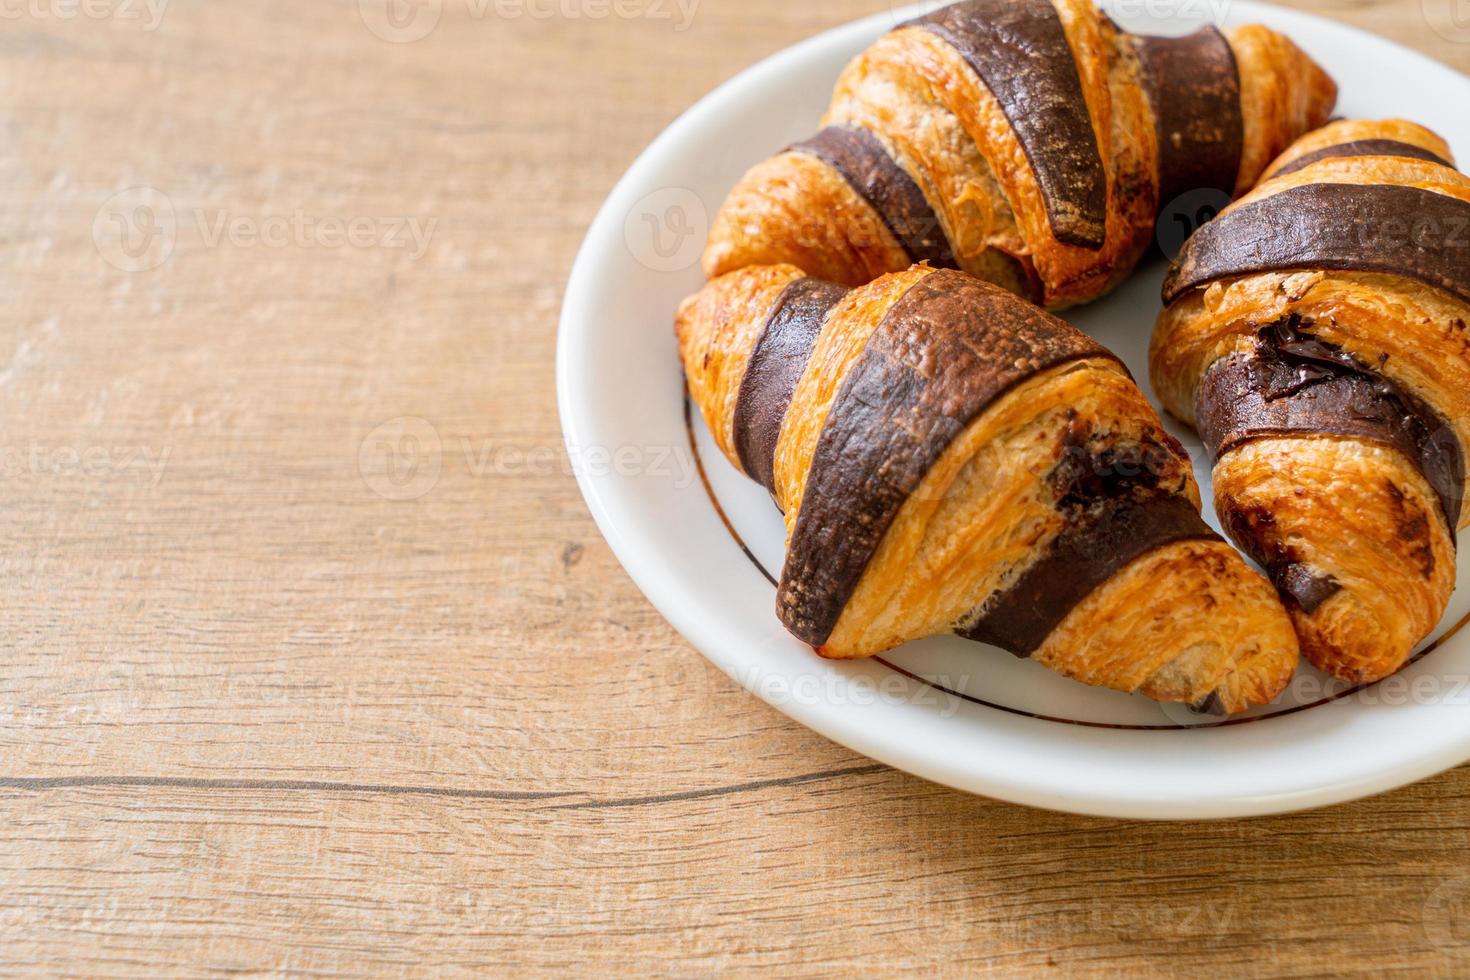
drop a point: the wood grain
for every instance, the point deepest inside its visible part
(257, 716)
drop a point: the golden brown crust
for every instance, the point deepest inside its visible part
(1401, 171)
(1417, 336)
(1068, 273)
(1357, 513)
(795, 209)
(896, 90)
(981, 517)
(975, 169)
(1354, 130)
(942, 126)
(848, 327)
(1283, 94)
(1361, 514)
(717, 328)
(984, 513)
(1183, 622)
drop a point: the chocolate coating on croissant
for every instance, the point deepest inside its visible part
(1307, 588)
(1362, 148)
(1194, 86)
(1295, 579)
(776, 363)
(1294, 383)
(864, 163)
(1020, 50)
(1338, 429)
(1390, 228)
(947, 349)
(1103, 538)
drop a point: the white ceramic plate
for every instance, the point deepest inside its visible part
(947, 709)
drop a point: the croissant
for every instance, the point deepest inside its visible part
(950, 458)
(1315, 335)
(1031, 143)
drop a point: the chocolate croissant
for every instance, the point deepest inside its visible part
(1031, 143)
(1315, 334)
(949, 458)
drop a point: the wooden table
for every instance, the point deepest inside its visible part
(266, 705)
